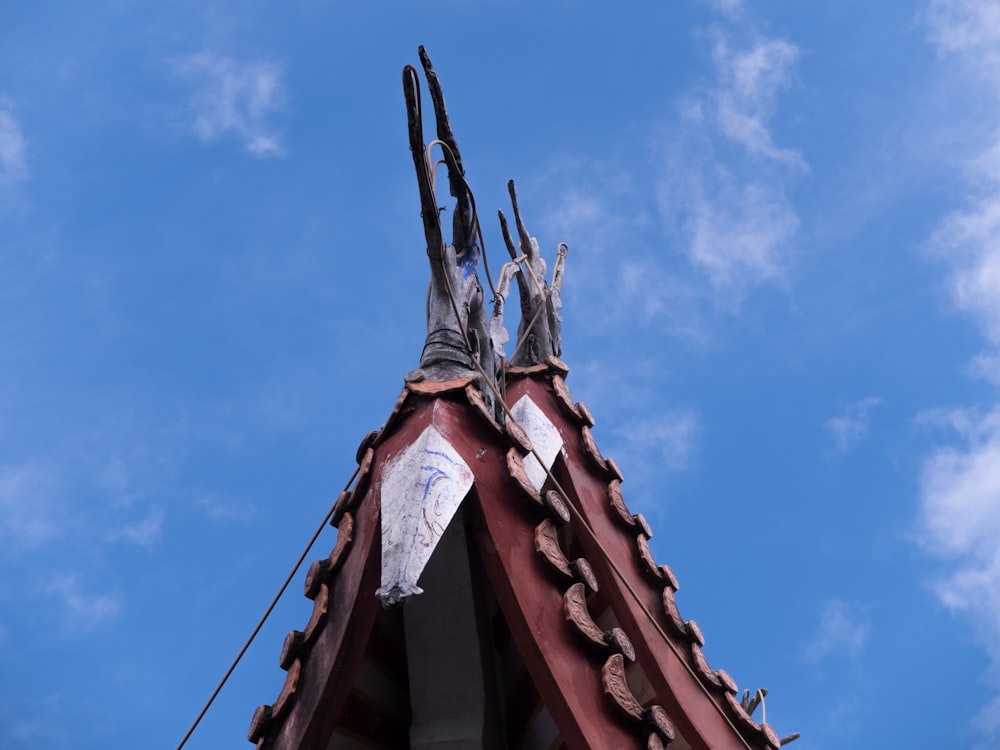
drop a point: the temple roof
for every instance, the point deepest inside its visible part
(593, 617)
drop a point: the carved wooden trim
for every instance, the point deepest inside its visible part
(557, 365)
(643, 525)
(292, 649)
(654, 742)
(727, 682)
(475, 399)
(578, 614)
(673, 614)
(770, 736)
(575, 609)
(694, 633)
(547, 545)
(742, 717)
(516, 371)
(288, 691)
(646, 557)
(592, 451)
(584, 573)
(790, 738)
(394, 415)
(259, 724)
(708, 677)
(518, 435)
(613, 468)
(585, 416)
(437, 387)
(659, 723)
(669, 577)
(516, 468)
(364, 474)
(318, 616)
(616, 687)
(321, 571)
(368, 441)
(565, 398)
(557, 507)
(617, 502)
(618, 642)
(345, 502)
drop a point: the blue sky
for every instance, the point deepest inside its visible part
(782, 305)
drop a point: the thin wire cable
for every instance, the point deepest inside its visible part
(263, 619)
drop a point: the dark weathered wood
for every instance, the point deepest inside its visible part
(321, 571)
(364, 474)
(789, 738)
(318, 616)
(292, 649)
(344, 503)
(260, 723)
(342, 618)
(288, 690)
(368, 441)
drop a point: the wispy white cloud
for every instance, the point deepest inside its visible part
(849, 428)
(223, 508)
(727, 7)
(737, 233)
(27, 514)
(144, 532)
(748, 83)
(738, 222)
(960, 517)
(13, 151)
(965, 26)
(237, 99)
(959, 490)
(81, 610)
(667, 441)
(841, 633)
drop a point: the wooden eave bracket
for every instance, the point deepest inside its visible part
(652, 720)
(322, 571)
